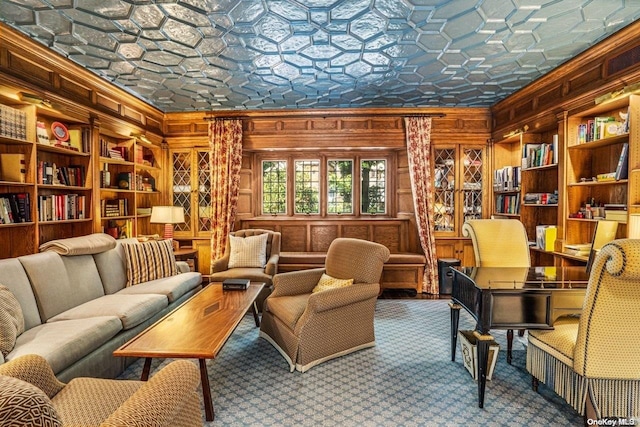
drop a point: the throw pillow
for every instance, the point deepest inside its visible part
(149, 261)
(327, 282)
(23, 404)
(11, 320)
(248, 251)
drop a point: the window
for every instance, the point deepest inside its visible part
(307, 184)
(340, 186)
(373, 186)
(274, 187)
(326, 184)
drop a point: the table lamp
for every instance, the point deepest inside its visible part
(167, 215)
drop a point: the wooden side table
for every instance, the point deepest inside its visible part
(184, 254)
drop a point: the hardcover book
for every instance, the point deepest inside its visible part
(235, 284)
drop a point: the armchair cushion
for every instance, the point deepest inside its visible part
(248, 251)
(11, 320)
(149, 261)
(327, 282)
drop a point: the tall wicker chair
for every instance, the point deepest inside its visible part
(592, 361)
(499, 243)
(30, 395)
(309, 328)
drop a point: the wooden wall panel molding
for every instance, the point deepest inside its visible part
(54, 76)
(608, 66)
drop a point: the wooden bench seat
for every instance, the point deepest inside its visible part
(401, 271)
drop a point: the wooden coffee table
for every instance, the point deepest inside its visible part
(198, 328)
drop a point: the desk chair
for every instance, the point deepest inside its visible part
(499, 243)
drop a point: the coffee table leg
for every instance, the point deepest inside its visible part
(206, 391)
(254, 308)
(145, 369)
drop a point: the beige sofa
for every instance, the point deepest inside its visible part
(77, 309)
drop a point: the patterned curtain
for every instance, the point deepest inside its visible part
(419, 152)
(225, 145)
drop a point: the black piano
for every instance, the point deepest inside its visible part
(512, 298)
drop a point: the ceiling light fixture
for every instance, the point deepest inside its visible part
(34, 99)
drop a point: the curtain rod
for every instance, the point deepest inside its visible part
(436, 115)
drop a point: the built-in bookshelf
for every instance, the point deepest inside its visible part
(129, 175)
(525, 183)
(602, 170)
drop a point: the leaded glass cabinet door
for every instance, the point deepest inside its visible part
(444, 187)
(472, 170)
(191, 189)
(181, 187)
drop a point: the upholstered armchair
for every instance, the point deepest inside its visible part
(220, 269)
(308, 327)
(499, 243)
(30, 395)
(592, 360)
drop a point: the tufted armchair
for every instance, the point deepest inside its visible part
(592, 361)
(220, 270)
(309, 328)
(30, 395)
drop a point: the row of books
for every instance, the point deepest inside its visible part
(114, 207)
(536, 155)
(59, 207)
(541, 198)
(508, 203)
(113, 151)
(15, 208)
(50, 173)
(602, 127)
(13, 122)
(507, 178)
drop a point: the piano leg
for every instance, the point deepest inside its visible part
(483, 361)
(455, 320)
(509, 345)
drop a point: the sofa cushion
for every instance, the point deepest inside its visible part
(130, 309)
(23, 404)
(51, 280)
(64, 343)
(248, 251)
(15, 278)
(173, 287)
(112, 267)
(11, 320)
(327, 282)
(149, 261)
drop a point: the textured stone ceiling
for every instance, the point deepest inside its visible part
(260, 54)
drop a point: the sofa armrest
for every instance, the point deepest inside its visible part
(161, 399)
(296, 282)
(183, 267)
(339, 297)
(35, 370)
(221, 264)
(272, 265)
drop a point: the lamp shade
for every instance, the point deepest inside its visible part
(167, 215)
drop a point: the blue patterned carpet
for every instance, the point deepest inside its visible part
(408, 379)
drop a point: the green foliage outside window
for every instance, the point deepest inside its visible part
(340, 186)
(373, 186)
(274, 187)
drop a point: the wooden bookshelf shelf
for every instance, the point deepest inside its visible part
(596, 183)
(600, 142)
